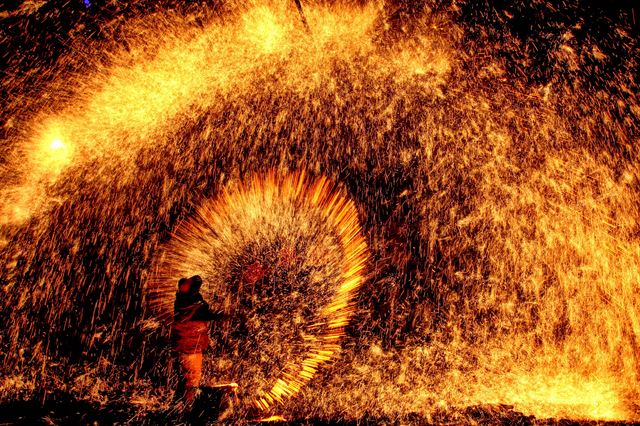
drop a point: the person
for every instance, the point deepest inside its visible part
(190, 337)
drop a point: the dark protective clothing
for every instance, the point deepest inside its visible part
(190, 337)
(190, 331)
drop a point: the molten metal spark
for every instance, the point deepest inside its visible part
(497, 178)
(299, 220)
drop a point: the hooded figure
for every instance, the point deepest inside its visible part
(190, 336)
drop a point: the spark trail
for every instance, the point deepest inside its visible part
(286, 256)
(497, 188)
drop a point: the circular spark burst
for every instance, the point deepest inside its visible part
(283, 257)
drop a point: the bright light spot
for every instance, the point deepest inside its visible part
(51, 155)
(57, 144)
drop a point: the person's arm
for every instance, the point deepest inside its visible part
(187, 313)
(215, 316)
(205, 313)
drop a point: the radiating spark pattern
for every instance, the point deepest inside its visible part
(490, 151)
(281, 253)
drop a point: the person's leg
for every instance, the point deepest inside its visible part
(180, 374)
(192, 372)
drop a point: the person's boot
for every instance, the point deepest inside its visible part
(190, 395)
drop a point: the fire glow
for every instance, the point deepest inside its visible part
(266, 211)
(500, 216)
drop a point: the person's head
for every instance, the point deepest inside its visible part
(184, 285)
(196, 283)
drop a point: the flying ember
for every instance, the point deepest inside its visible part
(415, 212)
(282, 252)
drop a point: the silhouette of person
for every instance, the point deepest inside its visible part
(190, 337)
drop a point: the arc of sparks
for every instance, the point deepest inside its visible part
(333, 207)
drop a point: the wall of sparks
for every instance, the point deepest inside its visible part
(496, 179)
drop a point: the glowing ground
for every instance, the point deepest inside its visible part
(65, 410)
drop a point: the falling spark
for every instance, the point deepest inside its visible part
(495, 177)
(293, 225)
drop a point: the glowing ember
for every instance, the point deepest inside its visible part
(284, 256)
(490, 152)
